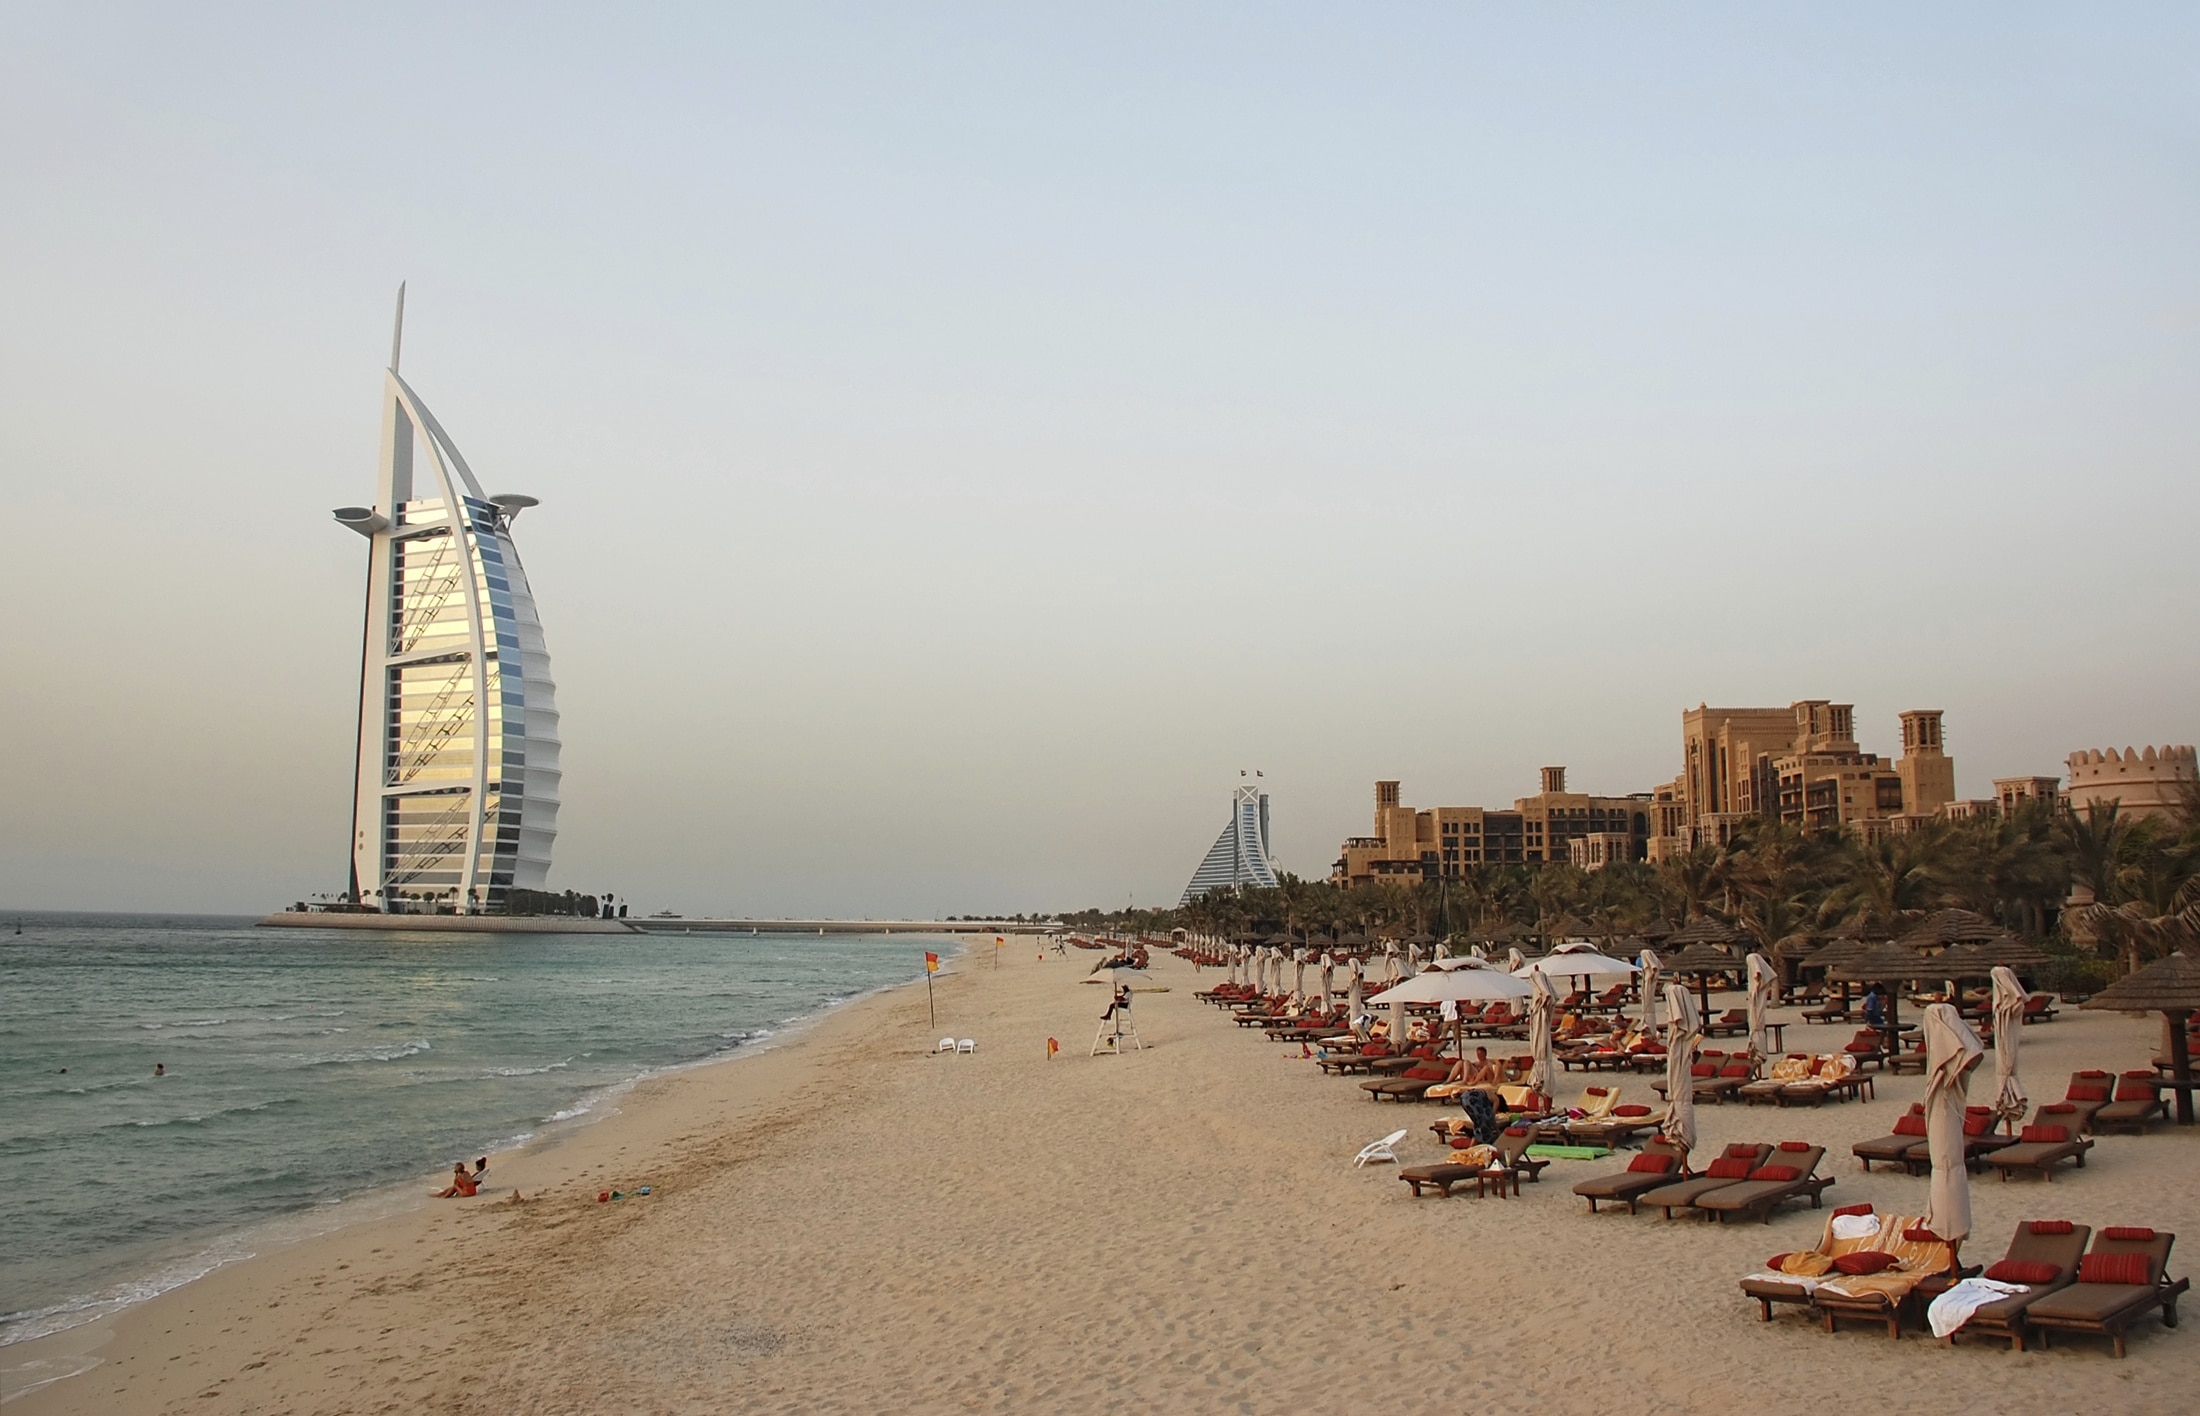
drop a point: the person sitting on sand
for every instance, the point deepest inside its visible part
(462, 1184)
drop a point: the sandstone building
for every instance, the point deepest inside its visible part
(1446, 841)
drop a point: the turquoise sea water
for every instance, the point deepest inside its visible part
(309, 1068)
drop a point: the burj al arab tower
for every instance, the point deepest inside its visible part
(456, 800)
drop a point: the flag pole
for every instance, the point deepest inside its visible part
(930, 1011)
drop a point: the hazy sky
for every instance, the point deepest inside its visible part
(968, 435)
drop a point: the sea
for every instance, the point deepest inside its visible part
(317, 1077)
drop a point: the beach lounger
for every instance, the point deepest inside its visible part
(2051, 1139)
(1409, 1085)
(2123, 1277)
(1833, 1010)
(1793, 1277)
(1660, 1162)
(1795, 1067)
(1791, 1174)
(1512, 1148)
(1832, 1075)
(1623, 1125)
(1480, 1169)
(1909, 1133)
(1731, 1023)
(2039, 1008)
(2043, 1257)
(2136, 1103)
(1917, 1254)
(1731, 1168)
(1384, 1149)
(1868, 1047)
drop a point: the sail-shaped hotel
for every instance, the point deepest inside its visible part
(456, 800)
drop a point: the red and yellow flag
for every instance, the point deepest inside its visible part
(931, 962)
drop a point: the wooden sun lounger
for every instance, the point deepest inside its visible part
(1909, 1133)
(1631, 1184)
(1762, 1197)
(1888, 1296)
(1768, 1291)
(1731, 1168)
(2056, 1242)
(2108, 1309)
(2046, 1143)
(2136, 1104)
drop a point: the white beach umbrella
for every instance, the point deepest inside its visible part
(1515, 960)
(1763, 979)
(1398, 1026)
(1951, 1051)
(1298, 974)
(1443, 951)
(1356, 1004)
(1539, 1033)
(1650, 967)
(1413, 958)
(1577, 961)
(2009, 1098)
(1466, 984)
(1475, 951)
(1683, 1035)
(1329, 980)
(1391, 972)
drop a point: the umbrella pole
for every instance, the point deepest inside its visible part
(2180, 1065)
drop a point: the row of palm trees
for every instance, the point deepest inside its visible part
(2089, 883)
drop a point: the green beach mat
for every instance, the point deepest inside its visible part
(1548, 1152)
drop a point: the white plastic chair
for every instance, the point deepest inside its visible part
(966, 1045)
(947, 1044)
(1384, 1149)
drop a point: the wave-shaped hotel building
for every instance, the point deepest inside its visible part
(456, 801)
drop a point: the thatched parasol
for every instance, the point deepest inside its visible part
(1980, 959)
(2170, 987)
(1884, 963)
(1703, 959)
(1707, 931)
(1942, 928)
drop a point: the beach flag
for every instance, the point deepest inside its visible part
(1053, 1047)
(931, 962)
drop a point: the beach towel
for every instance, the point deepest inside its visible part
(1479, 1111)
(1855, 1226)
(1953, 1309)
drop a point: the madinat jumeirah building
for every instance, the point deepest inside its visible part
(1239, 858)
(456, 800)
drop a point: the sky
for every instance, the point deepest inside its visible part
(970, 435)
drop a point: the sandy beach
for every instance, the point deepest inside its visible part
(850, 1223)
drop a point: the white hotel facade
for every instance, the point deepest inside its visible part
(456, 801)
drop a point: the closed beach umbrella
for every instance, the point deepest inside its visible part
(1475, 951)
(2009, 1098)
(1515, 961)
(1329, 980)
(1356, 1004)
(1683, 1035)
(1539, 1033)
(1413, 958)
(1650, 967)
(1763, 978)
(1397, 1019)
(1951, 1051)
(1298, 974)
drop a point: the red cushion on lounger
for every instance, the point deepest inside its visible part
(1703, 1069)
(2085, 1093)
(1778, 1173)
(1795, 1145)
(2052, 1226)
(1852, 1209)
(1864, 1261)
(2022, 1271)
(1909, 1125)
(1922, 1235)
(2136, 1091)
(1650, 1163)
(1773, 1264)
(2091, 1072)
(1740, 1153)
(2131, 1232)
(2051, 1135)
(1630, 1111)
(1426, 1074)
(1516, 1130)
(1594, 1091)
(1978, 1125)
(1735, 1069)
(2114, 1268)
(1460, 1143)
(1729, 1168)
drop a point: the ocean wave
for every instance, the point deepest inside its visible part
(530, 1071)
(194, 1023)
(339, 1059)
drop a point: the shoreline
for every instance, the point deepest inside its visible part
(853, 1223)
(276, 1235)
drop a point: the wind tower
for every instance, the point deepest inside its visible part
(455, 802)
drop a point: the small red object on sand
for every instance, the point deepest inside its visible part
(603, 1197)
